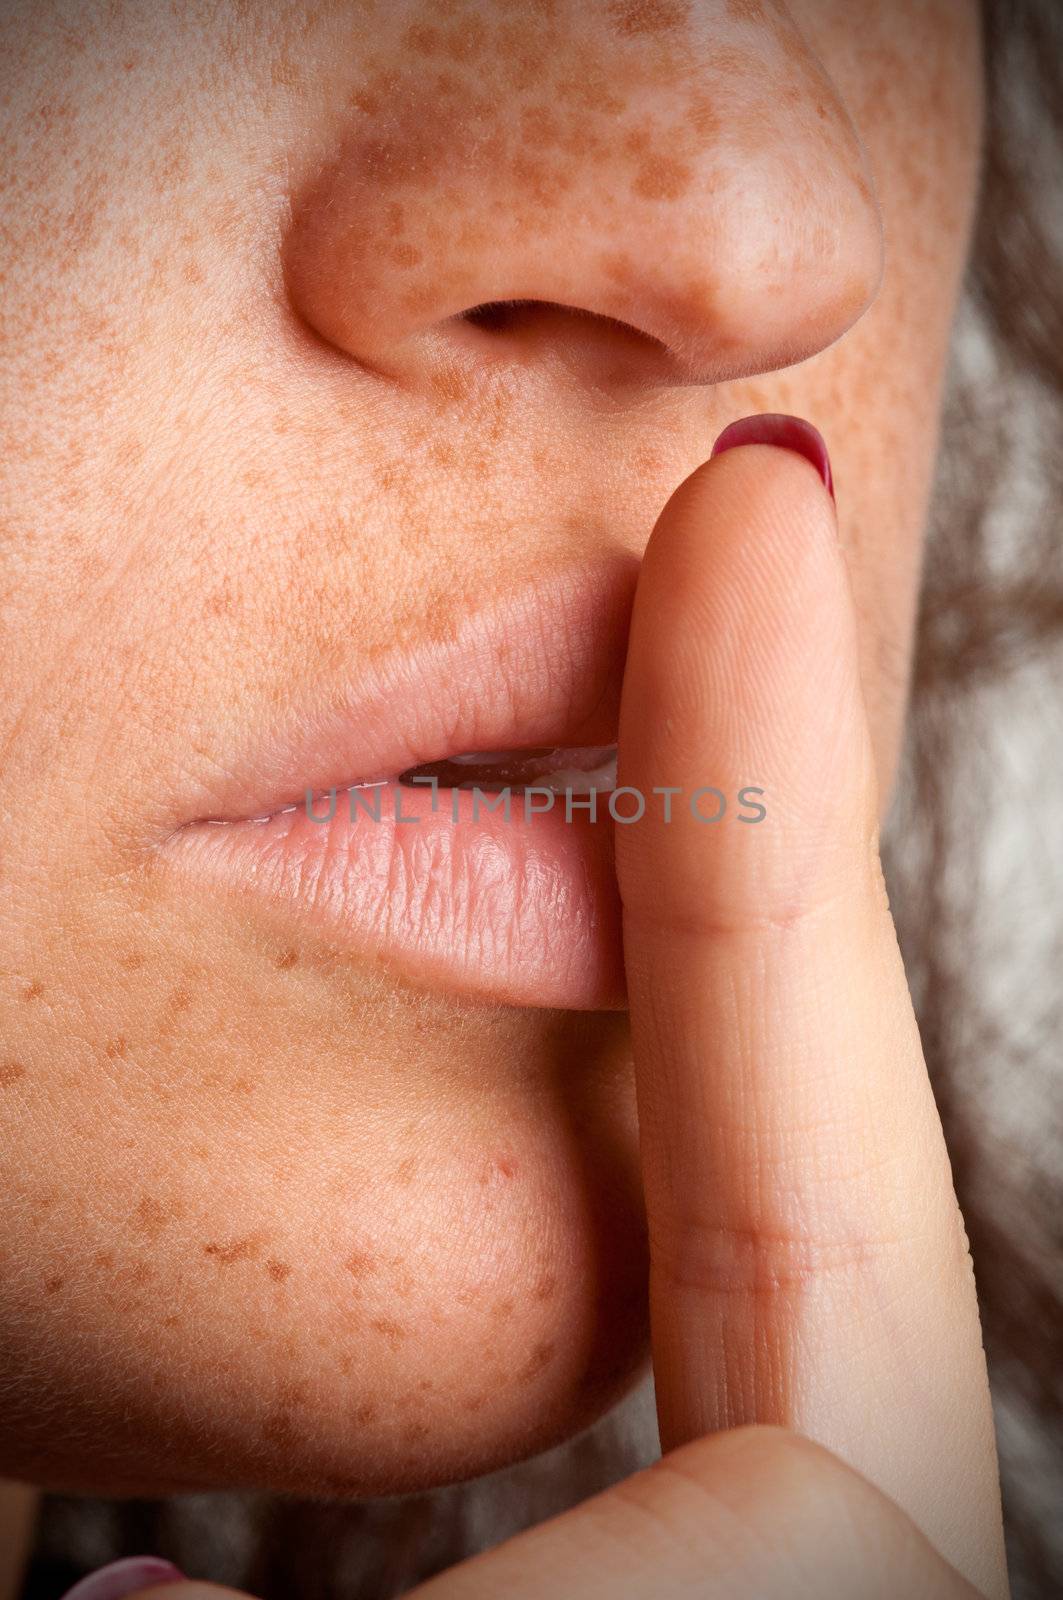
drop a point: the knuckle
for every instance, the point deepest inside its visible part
(707, 1257)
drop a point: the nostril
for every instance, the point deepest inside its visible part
(584, 339)
(495, 316)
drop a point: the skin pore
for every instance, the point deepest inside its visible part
(274, 1213)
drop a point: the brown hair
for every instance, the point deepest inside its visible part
(975, 843)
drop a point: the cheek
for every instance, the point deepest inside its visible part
(363, 1263)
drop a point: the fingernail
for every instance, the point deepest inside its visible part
(120, 1578)
(790, 433)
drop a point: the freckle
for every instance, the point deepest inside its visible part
(238, 1250)
(278, 1270)
(132, 960)
(465, 39)
(220, 602)
(393, 1332)
(422, 38)
(546, 1287)
(115, 1047)
(33, 991)
(178, 1001)
(596, 94)
(243, 1085)
(130, 452)
(415, 1431)
(419, 300)
(745, 10)
(103, 1259)
(11, 1072)
(502, 1309)
(539, 1359)
(192, 273)
(364, 1414)
(450, 383)
(360, 1264)
(150, 1216)
(662, 178)
(475, 1402)
(426, 1386)
(634, 17)
(405, 255)
(637, 141)
(53, 1285)
(503, 1166)
(171, 1322)
(617, 266)
(703, 117)
(533, 177)
(406, 1171)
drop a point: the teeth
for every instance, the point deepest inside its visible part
(579, 769)
(581, 780)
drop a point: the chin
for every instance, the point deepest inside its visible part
(386, 1283)
(504, 1382)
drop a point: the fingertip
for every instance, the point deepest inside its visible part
(132, 1575)
(785, 433)
(146, 1578)
(744, 674)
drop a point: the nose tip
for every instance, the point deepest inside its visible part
(736, 233)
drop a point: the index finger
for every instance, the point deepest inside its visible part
(808, 1261)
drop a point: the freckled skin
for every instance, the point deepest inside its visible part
(237, 1250)
(256, 1192)
(650, 150)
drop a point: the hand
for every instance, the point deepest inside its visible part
(809, 1270)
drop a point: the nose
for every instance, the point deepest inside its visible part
(659, 192)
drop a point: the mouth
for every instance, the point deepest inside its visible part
(580, 770)
(436, 812)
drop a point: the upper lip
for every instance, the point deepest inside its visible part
(540, 664)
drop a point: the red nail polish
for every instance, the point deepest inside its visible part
(789, 433)
(121, 1578)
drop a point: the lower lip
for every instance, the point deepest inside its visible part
(444, 892)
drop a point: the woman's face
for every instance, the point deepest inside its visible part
(320, 1169)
